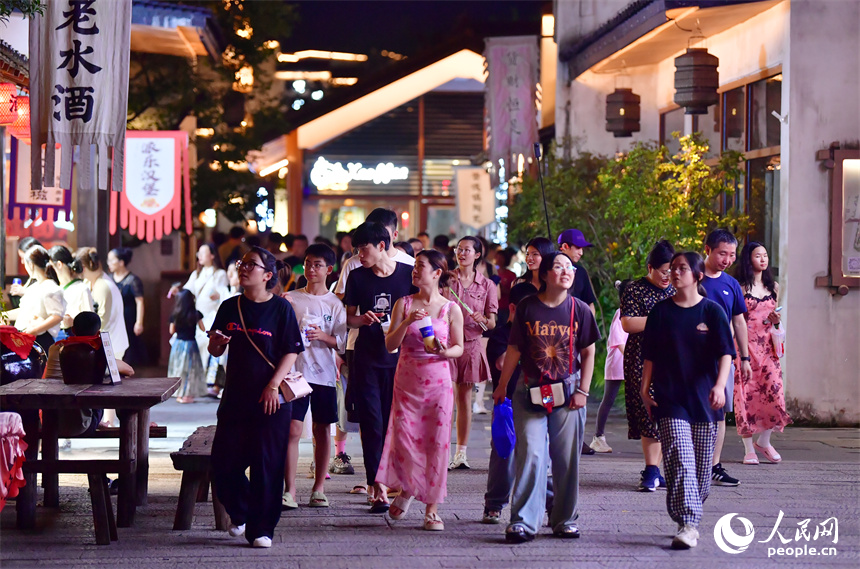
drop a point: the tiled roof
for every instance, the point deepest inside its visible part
(14, 67)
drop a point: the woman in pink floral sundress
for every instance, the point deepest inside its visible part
(759, 401)
(415, 456)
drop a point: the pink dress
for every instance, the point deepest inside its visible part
(415, 456)
(760, 402)
(481, 297)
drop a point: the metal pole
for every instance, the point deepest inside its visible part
(542, 191)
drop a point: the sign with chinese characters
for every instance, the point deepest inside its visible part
(511, 87)
(333, 176)
(51, 198)
(475, 198)
(79, 54)
(156, 172)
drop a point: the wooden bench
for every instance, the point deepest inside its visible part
(155, 432)
(194, 460)
(104, 520)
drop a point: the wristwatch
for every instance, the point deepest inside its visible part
(745, 358)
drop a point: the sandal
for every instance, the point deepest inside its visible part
(750, 458)
(401, 504)
(380, 506)
(287, 502)
(318, 500)
(769, 453)
(358, 489)
(432, 522)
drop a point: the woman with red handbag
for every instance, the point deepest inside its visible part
(253, 417)
(549, 331)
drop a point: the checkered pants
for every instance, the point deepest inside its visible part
(688, 449)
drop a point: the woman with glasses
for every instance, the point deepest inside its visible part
(253, 417)
(552, 337)
(478, 298)
(687, 349)
(536, 249)
(638, 299)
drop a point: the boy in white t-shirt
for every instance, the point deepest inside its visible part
(322, 321)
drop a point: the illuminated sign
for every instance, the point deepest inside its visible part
(333, 176)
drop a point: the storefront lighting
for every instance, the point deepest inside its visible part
(318, 54)
(272, 44)
(455, 162)
(244, 79)
(282, 173)
(274, 167)
(344, 81)
(300, 86)
(622, 113)
(209, 217)
(20, 129)
(333, 176)
(303, 75)
(404, 216)
(547, 26)
(298, 104)
(205, 132)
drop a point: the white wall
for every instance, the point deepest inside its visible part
(821, 79)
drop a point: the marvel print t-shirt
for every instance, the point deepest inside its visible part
(369, 291)
(542, 335)
(685, 346)
(273, 328)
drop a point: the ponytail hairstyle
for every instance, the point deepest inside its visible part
(89, 258)
(59, 254)
(746, 273)
(437, 261)
(697, 267)
(477, 246)
(270, 264)
(124, 254)
(40, 258)
(27, 243)
(185, 311)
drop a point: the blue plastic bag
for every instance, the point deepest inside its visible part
(504, 437)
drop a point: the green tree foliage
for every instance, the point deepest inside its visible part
(165, 89)
(28, 8)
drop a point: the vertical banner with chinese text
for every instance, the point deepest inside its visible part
(512, 67)
(49, 200)
(157, 178)
(79, 55)
(475, 200)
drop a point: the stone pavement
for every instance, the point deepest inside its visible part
(817, 479)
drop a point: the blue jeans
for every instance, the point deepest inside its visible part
(565, 428)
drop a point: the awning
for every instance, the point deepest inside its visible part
(172, 29)
(653, 31)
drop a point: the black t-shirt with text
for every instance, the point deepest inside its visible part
(581, 288)
(685, 346)
(542, 335)
(369, 291)
(273, 328)
(187, 332)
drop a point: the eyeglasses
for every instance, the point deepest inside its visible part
(680, 270)
(242, 265)
(563, 268)
(665, 273)
(315, 266)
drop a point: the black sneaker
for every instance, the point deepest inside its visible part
(720, 477)
(518, 534)
(341, 464)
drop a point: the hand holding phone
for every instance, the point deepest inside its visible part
(218, 338)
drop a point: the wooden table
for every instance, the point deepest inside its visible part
(132, 400)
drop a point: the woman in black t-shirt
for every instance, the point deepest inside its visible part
(548, 332)
(253, 418)
(687, 349)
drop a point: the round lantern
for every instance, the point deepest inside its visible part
(622, 113)
(20, 129)
(696, 81)
(8, 114)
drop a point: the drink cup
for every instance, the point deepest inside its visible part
(16, 281)
(425, 326)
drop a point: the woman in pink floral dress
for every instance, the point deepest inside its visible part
(415, 455)
(759, 401)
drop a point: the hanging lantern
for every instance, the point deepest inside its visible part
(8, 112)
(20, 129)
(696, 81)
(622, 113)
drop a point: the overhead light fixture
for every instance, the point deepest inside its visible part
(318, 54)
(344, 81)
(305, 75)
(205, 132)
(274, 167)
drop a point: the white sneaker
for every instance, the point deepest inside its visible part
(479, 409)
(236, 531)
(459, 462)
(686, 538)
(263, 542)
(598, 444)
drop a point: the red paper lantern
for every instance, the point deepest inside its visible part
(8, 114)
(20, 129)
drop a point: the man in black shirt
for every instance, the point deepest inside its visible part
(572, 243)
(371, 291)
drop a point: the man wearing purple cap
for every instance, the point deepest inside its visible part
(572, 243)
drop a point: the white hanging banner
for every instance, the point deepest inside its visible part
(79, 54)
(475, 199)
